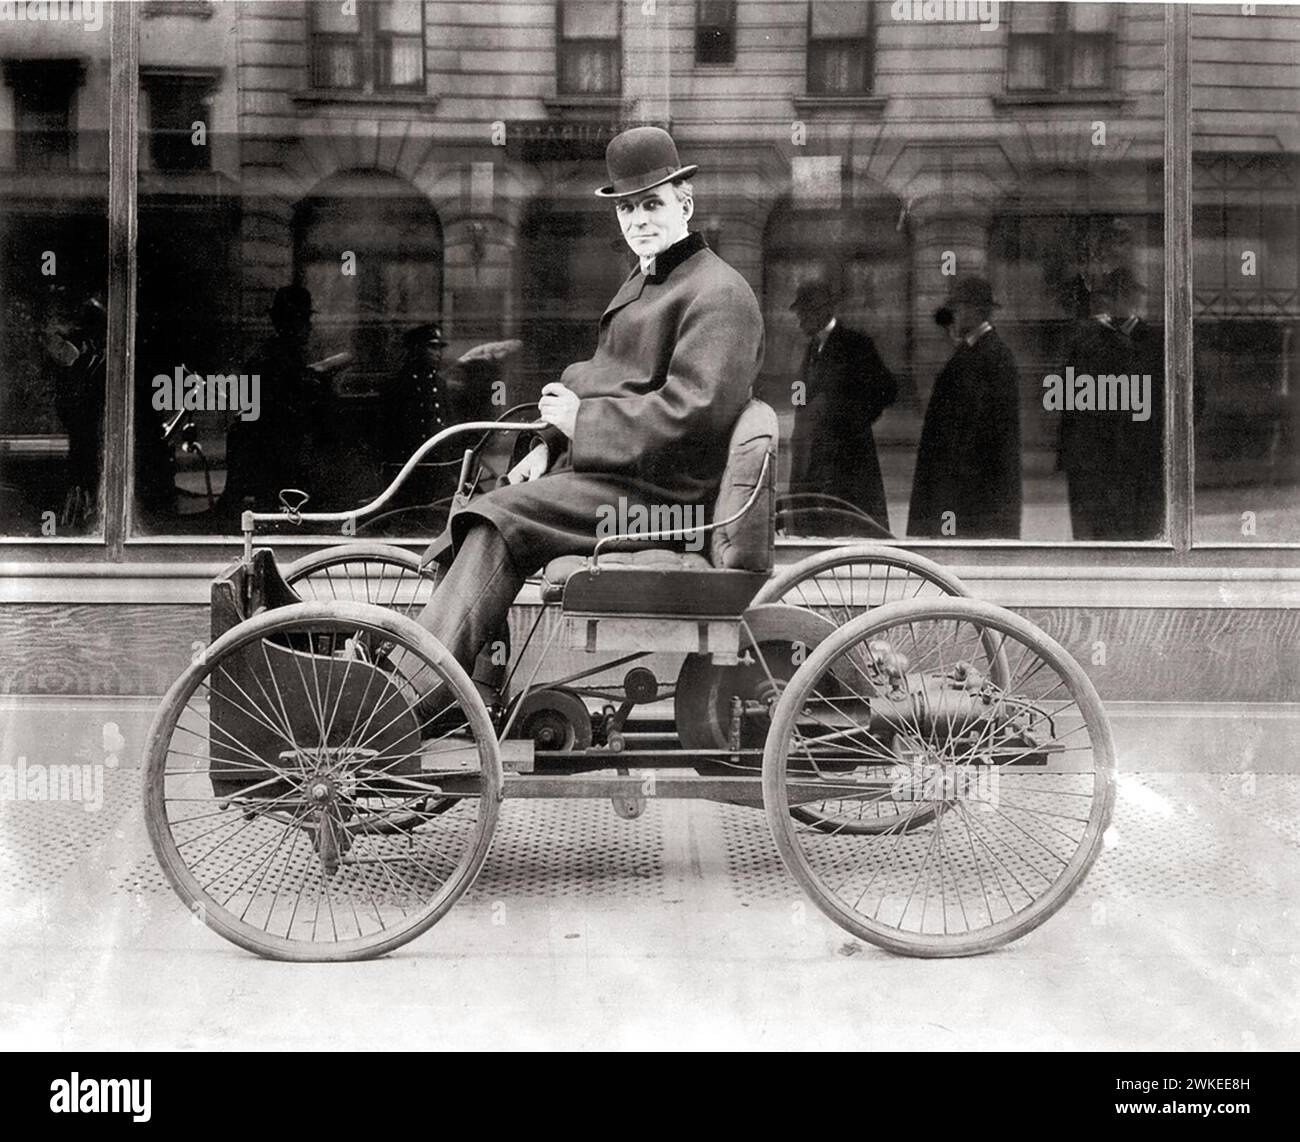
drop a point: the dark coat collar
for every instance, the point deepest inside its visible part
(676, 254)
(665, 263)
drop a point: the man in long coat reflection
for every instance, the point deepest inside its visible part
(846, 387)
(967, 483)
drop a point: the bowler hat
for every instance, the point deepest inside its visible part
(811, 293)
(973, 290)
(640, 158)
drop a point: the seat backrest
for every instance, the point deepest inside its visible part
(748, 544)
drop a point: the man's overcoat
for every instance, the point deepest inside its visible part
(968, 458)
(833, 450)
(676, 360)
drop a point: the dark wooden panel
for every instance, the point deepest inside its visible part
(1130, 654)
(121, 649)
(1186, 655)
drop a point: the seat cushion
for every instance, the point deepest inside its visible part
(748, 543)
(556, 573)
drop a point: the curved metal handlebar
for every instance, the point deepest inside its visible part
(294, 514)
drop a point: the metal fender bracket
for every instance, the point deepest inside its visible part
(629, 808)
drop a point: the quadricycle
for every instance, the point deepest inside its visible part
(937, 772)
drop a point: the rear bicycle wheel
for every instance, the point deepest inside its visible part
(1017, 775)
(841, 584)
(365, 572)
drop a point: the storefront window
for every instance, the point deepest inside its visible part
(1246, 273)
(291, 297)
(358, 224)
(53, 274)
(1022, 187)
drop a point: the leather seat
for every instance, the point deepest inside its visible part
(739, 556)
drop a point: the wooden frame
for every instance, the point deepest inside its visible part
(1180, 470)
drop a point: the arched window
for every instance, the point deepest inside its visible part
(392, 279)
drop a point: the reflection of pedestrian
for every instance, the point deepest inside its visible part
(1113, 463)
(74, 341)
(274, 452)
(846, 388)
(415, 407)
(968, 459)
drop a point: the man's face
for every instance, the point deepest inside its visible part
(653, 220)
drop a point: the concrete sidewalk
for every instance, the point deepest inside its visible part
(678, 930)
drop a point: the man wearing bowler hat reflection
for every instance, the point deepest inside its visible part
(967, 481)
(846, 388)
(646, 420)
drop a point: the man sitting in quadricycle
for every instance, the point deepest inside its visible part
(937, 774)
(645, 422)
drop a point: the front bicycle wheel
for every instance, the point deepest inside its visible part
(299, 799)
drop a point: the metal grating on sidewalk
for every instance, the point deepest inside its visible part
(41, 841)
(541, 849)
(1175, 837)
(572, 849)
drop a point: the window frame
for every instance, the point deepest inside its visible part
(202, 83)
(868, 41)
(729, 27)
(367, 40)
(562, 42)
(16, 77)
(1059, 41)
(118, 554)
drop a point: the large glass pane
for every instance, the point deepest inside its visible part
(400, 16)
(326, 234)
(1047, 223)
(588, 68)
(1029, 63)
(290, 290)
(54, 85)
(1246, 272)
(1088, 64)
